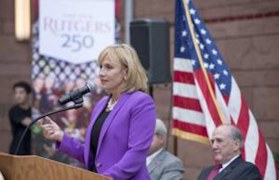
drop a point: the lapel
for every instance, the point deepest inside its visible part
(228, 169)
(156, 161)
(122, 100)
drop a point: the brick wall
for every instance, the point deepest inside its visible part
(15, 64)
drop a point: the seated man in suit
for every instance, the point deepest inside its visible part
(226, 143)
(161, 164)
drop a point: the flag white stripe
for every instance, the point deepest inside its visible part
(188, 116)
(182, 64)
(252, 140)
(270, 166)
(234, 104)
(222, 104)
(185, 90)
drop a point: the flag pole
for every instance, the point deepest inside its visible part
(128, 19)
(191, 27)
(175, 139)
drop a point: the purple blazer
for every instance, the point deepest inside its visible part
(124, 140)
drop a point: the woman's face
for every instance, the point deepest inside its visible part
(111, 75)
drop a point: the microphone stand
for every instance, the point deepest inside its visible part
(78, 104)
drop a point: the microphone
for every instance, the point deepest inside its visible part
(76, 94)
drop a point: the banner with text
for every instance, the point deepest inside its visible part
(76, 30)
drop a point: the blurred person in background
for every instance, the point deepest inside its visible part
(161, 164)
(20, 118)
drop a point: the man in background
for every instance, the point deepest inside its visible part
(20, 118)
(226, 144)
(161, 164)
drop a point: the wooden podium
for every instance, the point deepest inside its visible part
(38, 168)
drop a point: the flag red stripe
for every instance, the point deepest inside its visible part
(243, 120)
(188, 127)
(187, 103)
(184, 77)
(206, 94)
(261, 158)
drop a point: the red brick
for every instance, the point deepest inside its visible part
(7, 10)
(15, 69)
(154, 9)
(247, 93)
(251, 53)
(257, 78)
(201, 4)
(194, 154)
(191, 173)
(236, 29)
(9, 28)
(5, 140)
(163, 98)
(5, 124)
(238, 9)
(266, 103)
(273, 144)
(12, 51)
(269, 129)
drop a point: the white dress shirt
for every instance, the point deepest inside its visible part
(228, 163)
(1, 176)
(150, 158)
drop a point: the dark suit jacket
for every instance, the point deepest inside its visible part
(166, 166)
(237, 170)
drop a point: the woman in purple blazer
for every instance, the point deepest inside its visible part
(122, 124)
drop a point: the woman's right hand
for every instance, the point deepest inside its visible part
(51, 130)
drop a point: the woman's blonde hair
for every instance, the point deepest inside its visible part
(128, 58)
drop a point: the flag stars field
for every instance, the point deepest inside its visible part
(219, 61)
(197, 21)
(222, 86)
(182, 49)
(211, 66)
(214, 52)
(192, 11)
(216, 76)
(225, 72)
(203, 32)
(208, 41)
(201, 46)
(184, 33)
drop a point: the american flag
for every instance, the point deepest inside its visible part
(205, 94)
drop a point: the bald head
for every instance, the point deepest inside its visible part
(226, 143)
(233, 132)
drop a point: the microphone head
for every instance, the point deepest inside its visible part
(90, 85)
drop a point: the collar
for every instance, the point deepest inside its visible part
(228, 163)
(150, 158)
